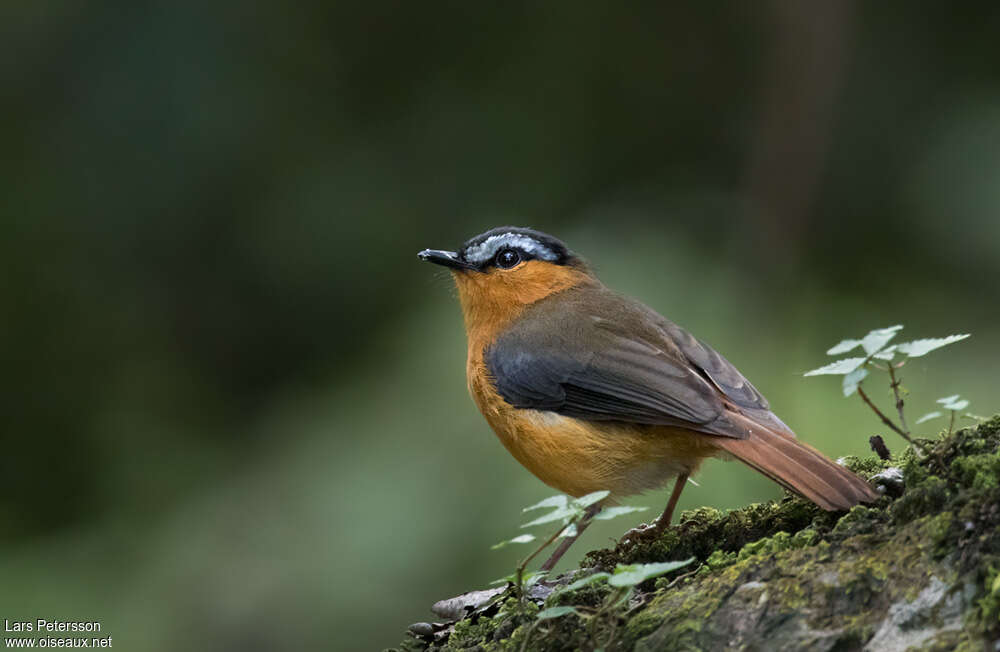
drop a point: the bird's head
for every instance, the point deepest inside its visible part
(501, 271)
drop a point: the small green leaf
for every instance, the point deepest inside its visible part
(529, 579)
(876, 339)
(917, 348)
(505, 580)
(561, 514)
(533, 578)
(887, 353)
(639, 573)
(928, 417)
(840, 367)
(843, 347)
(853, 379)
(954, 402)
(609, 513)
(551, 501)
(524, 538)
(555, 612)
(590, 579)
(569, 531)
(591, 498)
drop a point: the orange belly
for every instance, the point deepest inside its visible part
(578, 457)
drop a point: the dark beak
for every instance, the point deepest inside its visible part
(445, 258)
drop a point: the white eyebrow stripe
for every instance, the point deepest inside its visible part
(488, 248)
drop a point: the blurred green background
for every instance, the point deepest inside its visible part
(234, 405)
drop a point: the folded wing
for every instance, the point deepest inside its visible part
(620, 362)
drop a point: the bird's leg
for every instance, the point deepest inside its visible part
(668, 513)
(585, 520)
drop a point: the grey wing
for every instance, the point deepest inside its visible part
(601, 369)
(720, 371)
(726, 377)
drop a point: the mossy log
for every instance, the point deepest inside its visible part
(918, 570)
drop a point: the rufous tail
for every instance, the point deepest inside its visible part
(799, 468)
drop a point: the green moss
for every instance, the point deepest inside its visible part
(868, 466)
(701, 533)
(803, 577)
(590, 595)
(765, 546)
(989, 604)
(859, 520)
(409, 645)
(804, 538)
(928, 494)
(718, 559)
(642, 625)
(468, 633)
(938, 528)
(978, 471)
(770, 545)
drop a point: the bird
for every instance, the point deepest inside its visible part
(591, 390)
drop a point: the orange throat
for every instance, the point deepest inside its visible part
(491, 300)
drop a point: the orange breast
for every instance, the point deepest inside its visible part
(578, 457)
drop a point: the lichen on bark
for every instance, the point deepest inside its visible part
(919, 569)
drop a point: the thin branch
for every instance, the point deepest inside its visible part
(887, 421)
(680, 577)
(878, 445)
(899, 399)
(527, 635)
(519, 574)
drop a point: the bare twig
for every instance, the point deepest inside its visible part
(951, 424)
(878, 445)
(887, 421)
(677, 579)
(527, 635)
(519, 573)
(899, 399)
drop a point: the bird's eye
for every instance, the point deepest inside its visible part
(507, 258)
